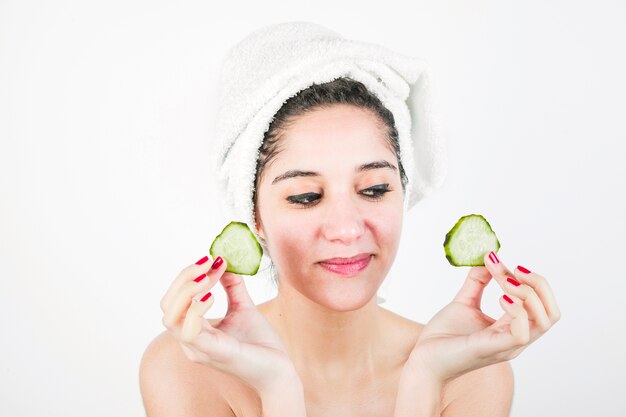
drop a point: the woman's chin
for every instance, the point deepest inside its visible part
(345, 300)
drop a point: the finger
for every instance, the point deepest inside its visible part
(238, 297)
(541, 286)
(175, 311)
(499, 271)
(519, 326)
(194, 318)
(472, 290)
(510, 331)
(531, 302)
(189, 273)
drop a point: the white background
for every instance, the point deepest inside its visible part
(106, 114)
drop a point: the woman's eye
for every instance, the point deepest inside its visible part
(376, 191)
(306, 199)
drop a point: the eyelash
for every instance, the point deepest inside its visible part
(301, 199)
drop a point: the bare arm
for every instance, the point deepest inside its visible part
(419, 394)
(485, 392)
(171, 385)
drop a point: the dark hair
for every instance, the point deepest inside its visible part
(342, 90)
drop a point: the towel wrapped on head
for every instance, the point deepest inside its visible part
(274, 63)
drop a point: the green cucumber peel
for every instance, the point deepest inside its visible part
(469, 240)
(238, 246)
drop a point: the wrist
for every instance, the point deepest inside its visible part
(419, 391)
(421, 368)
(283, 397)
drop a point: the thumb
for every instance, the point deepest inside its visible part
(472, 290)
(236, 292)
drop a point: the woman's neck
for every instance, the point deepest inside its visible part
(327, 344)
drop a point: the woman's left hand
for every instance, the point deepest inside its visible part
(461, 338)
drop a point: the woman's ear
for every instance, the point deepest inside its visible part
(259, 225)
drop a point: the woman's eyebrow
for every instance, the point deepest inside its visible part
(365, 167)
(376, 165)
(295, 173)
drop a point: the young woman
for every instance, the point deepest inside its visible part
(329, 207)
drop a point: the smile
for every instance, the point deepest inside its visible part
(347, 267)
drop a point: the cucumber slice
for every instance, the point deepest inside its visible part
(469, 240)
(238, 246)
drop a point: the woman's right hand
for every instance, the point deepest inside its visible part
(243, 343)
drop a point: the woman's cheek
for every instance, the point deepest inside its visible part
(388, 224)
(291, 238)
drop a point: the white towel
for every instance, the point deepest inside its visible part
(274, 63)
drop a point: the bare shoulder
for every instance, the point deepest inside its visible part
(401, 332)
(172, 385)
(408, 327)
(486, 392)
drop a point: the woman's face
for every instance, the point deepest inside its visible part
(330, 206)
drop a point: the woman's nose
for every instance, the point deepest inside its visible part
(343, 222)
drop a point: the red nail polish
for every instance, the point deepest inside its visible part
(200, 278)
(512, 281)
(217, 263)
(524, 270)
(203, 260)
(206, 297)
(494, 258)
(508, 299)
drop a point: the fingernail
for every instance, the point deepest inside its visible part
(507, 298)
(493, 258)
(512, 281)
(524, 270)
(200, 278)
(217, 263)
(203, 260)
(206, 297)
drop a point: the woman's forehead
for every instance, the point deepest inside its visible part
(340, 130)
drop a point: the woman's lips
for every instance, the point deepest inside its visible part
(347, 266)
